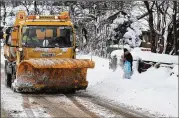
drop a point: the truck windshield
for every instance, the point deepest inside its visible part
(47, 36)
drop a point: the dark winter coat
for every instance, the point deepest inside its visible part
(128, 57)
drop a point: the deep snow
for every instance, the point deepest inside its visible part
(153, 91)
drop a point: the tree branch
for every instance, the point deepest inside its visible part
(158, 7)
(25, 5)
(147, 5)
(152, 5)
(142, 16)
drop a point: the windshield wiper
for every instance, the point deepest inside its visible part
(66, 46)
(47, 47)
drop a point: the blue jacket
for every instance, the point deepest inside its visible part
(127, 67)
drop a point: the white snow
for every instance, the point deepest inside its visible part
(131, 37)
(138, 10)
(12, 102)
(175, 70)
(120, 46)
(153, 91)
(149, 56)
(120, 20)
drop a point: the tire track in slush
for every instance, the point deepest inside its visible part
(125, 112)
(81, 107)
(52, 108)
(59, 109)
(91, 108)
(27, 107)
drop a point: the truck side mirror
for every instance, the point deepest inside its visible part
(8, 30)
(8, 41)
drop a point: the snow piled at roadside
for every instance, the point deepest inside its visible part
(153, 91)
(175, 70)
(149, 56)
(12, 102)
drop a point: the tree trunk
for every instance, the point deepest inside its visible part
(152, 31)
(1, 11)
(174, 26)
(158, 27)
(4, 15)
(151, 25)
(165, 36)
(35, 7)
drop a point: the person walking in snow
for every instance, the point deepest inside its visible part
(127, 60)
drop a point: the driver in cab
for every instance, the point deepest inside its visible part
(30, 38)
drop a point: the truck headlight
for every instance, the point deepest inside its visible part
(20, 49)
(76, 50)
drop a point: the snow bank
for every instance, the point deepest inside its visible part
(175, 70)
(121, 46)
(148, 56)
(117, 53)
(12, 102)
(153, 91)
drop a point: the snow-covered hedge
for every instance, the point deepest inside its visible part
(128, 29)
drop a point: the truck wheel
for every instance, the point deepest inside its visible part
(13, 89)
(71, 91)
(8, 78)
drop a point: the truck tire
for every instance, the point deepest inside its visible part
(13, 89)
(8, 77)
(71, 91)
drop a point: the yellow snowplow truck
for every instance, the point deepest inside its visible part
(40, 55)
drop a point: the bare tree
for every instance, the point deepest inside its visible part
(160, 26)
(3, 4)
(151, 21)
(174, 25)
(35, 7)
(27, 4)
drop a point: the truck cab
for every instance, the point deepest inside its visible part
(40, 37)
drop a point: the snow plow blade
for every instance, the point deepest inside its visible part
(52, 74)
